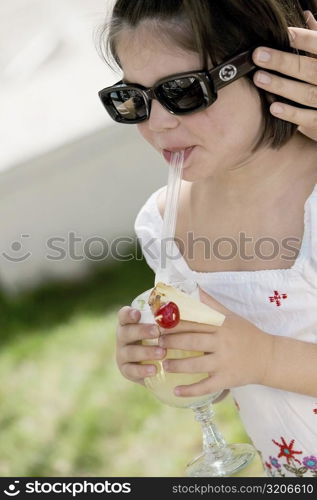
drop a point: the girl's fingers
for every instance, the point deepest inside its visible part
(310, 20)
(300, 92)
(187, 342)
(309, 132)
(304, 39)
(128, 315)
(207, 385)
(300, 67)
(137, 353)
(306, 119)
(197, 364)
(137, 372)
(131, 333)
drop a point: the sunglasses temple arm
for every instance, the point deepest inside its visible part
(243, 63)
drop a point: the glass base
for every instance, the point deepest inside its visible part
(238, 457)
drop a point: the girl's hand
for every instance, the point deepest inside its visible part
(301, 67)
(235, 354)
(129, 350)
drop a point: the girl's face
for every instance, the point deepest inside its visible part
(221, 136)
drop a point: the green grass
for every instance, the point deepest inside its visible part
(65, 408)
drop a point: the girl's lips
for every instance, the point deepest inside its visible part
(168, 154)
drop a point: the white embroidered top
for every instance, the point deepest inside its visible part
(282, 425)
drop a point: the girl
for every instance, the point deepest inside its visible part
(247, 223)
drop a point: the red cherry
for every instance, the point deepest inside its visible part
(168, 315)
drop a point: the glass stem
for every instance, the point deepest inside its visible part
(214, 444)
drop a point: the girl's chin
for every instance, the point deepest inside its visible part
(192, 174)
(195, 172)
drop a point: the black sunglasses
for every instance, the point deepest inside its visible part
(180, 94)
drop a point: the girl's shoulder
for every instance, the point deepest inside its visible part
(149, 213)
(149, 221)
(147, 227)
(154, 207)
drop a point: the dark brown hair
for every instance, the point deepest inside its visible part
(217, 29)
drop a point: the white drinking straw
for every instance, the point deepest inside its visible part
(170, 216)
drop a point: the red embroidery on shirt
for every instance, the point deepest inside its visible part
(315, 411)
(277, 297)
(286, 450)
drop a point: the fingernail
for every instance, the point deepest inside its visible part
(150, 369)
(277, 108)
(263, 56)
(154, 331)
(177, 391)
(263, 77)
(134, 315)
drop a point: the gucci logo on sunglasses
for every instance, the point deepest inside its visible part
(180, 94)
(228, 72)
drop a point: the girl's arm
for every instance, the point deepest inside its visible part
(293, 366)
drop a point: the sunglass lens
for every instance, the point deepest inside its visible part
(128, 103)
(182, 94)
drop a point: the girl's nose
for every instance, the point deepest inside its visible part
(160, 119)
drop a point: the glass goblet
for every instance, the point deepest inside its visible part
(218, 458)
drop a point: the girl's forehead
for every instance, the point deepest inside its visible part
(143, 55)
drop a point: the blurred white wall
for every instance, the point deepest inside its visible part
(65, 167)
